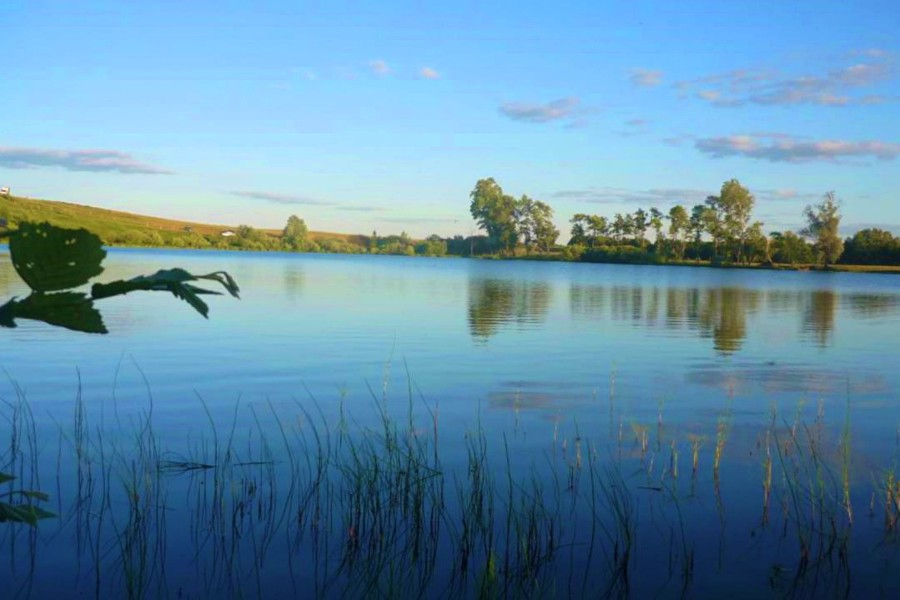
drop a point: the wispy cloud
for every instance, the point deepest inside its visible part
(429, 73)
(280, 198)
(670, 196)
(109, 161)
(637, 122)
(785, 194)
(839, 86)
(851, 228)
(360, 208)
(651, 197)
(564, 109)
(419, 220)
(646, 77)
(795, 150)
(379, 67)
(871, 53)
(300, 200)
(678, 140)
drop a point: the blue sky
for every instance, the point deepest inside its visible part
(360, 116)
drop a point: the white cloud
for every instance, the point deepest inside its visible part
(837, 87)
(110, 161)
(276, 198)
(651, 197)
(785, 194)
(646, 77)
(562, 109)
(379, 67)
(428, 73)
(783, 148)
(871, 53)
(677, 140)
(360, 208)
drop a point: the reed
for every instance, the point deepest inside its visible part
(397, 504)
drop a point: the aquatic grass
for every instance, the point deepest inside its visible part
(723, 427)
(370, 507)
(814, 503)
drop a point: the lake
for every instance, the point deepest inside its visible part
(571, 425)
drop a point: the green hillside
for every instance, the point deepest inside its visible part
(128, 229)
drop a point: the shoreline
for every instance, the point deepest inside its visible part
(551, 257)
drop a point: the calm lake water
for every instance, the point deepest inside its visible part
(633, 361)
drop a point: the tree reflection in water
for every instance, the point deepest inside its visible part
(494, 303)
(720, 314)
(818, 317)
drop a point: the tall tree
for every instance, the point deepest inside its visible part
(543, 231)
(713, 223)
(822, 226)
(640, 222)
(735, 204)
(524, 214)
(656, 222)
(295, 233)
(598, 227)
(629, 228)
(757, 245)
(620, 227)
(698, 225)
(579, 233)
(495, 213)
(534, 220)
(679, 225)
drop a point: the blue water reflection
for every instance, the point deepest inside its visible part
(538, 351)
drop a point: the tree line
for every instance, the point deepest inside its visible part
(721, 230)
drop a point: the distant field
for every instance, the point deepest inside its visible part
(119, 227)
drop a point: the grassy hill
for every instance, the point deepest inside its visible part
(128, 229)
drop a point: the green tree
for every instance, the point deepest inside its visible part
(578, 235)
(544, 231)
(535, 223)
(713, 223)
(618, 227)
(823, 222)
(639, 224)
(790, 248)
(524, 214)
(495, 213)
(872, 247)
(698, 226)
(599, 228)
(295, 232)
(656, 222)
(679, 227)
(733, 207)
(434, 245)
(757, 245)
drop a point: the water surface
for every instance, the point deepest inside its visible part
(538, 351)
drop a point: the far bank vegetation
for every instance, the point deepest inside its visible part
(720, 231)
